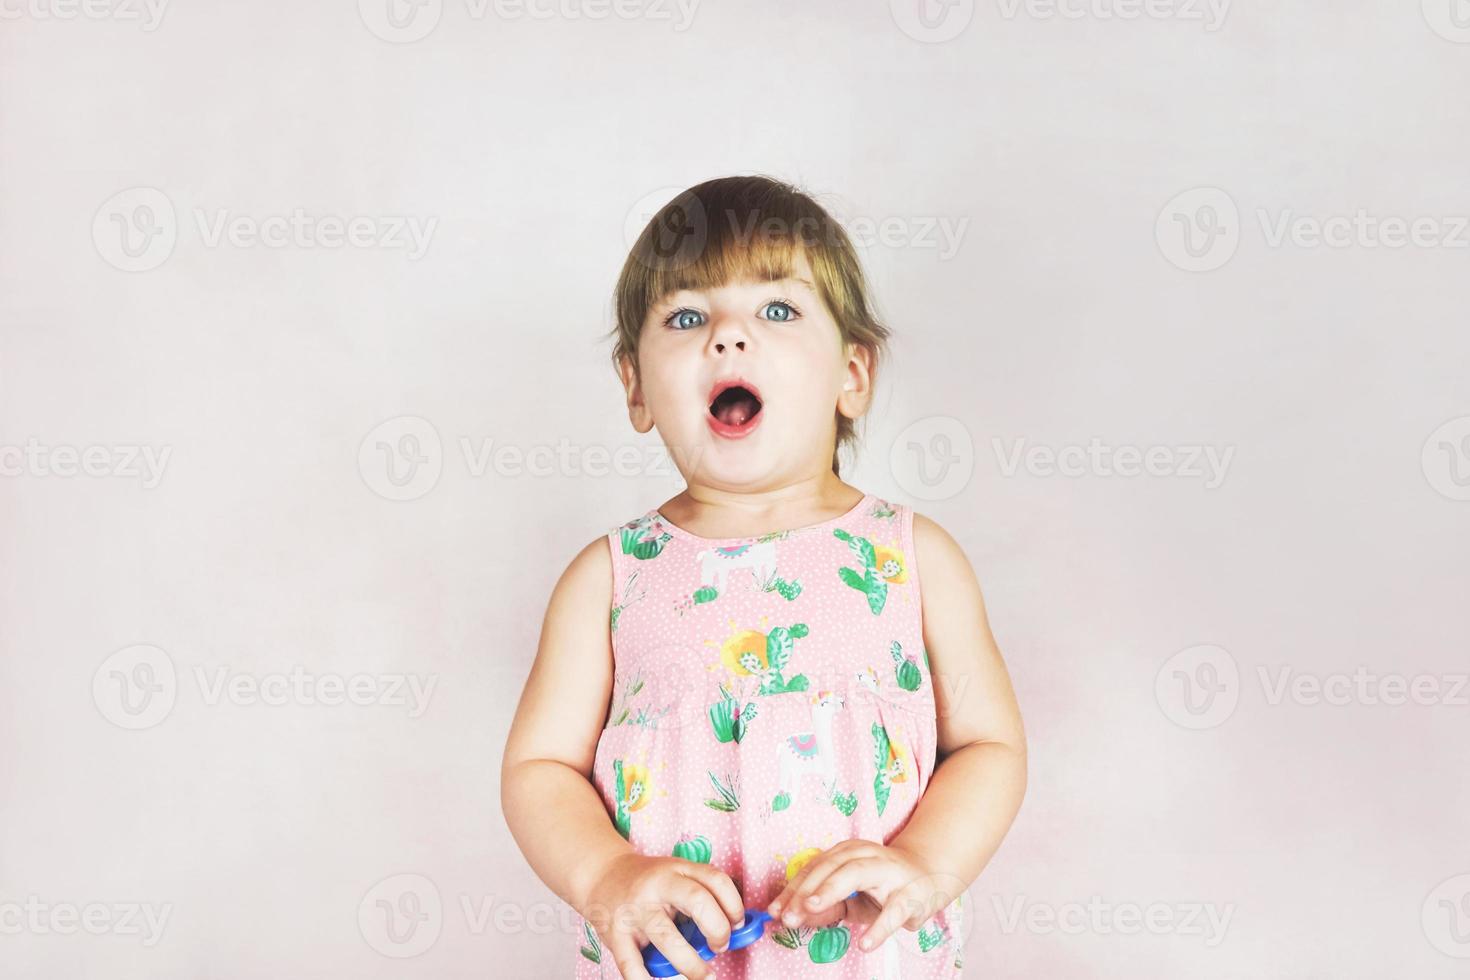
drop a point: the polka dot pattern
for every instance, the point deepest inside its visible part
(771, 698)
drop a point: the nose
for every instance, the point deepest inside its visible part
(729, 332)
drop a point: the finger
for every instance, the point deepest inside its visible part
(628, 956)
(818, 865)
(872, 874)
(893, 914)
(694, 900)
(820, 870)
(723, 889)
(665, 935)
(828, 916)
(791, 908)
(856, 869)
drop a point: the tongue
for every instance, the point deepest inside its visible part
(737, 412)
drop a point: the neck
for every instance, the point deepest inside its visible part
(809, 500)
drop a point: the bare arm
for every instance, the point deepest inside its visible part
(976, 789)
(545, 787)
(556, 814)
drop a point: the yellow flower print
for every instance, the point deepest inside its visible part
(745, 652)
(800, 860)
(898, 763)
(891, 564)
(637, 786)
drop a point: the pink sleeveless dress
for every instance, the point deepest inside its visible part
(771, 698)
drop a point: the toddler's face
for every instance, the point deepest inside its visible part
(743, 381)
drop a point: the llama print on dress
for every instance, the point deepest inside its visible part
(759, 557)
(762, 726)
(809, 752)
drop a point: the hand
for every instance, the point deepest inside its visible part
(896, 889)
(634, 902)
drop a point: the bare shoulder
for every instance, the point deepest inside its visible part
(589, 575)
(944, 567)
(973, 695)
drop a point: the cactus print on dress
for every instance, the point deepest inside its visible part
(771, 698)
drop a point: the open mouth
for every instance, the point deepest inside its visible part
(735, 408)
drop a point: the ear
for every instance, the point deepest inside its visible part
(638, 412)
(857, 383)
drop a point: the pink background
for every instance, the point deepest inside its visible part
(276, 542)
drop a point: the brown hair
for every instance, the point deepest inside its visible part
(735, 228)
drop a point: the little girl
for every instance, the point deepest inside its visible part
(774, 690)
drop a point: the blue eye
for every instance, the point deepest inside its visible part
(782, 311)
(687, 318)
(677, 320)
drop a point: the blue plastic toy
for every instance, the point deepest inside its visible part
(753, 928)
